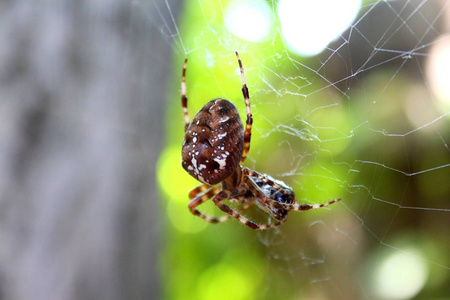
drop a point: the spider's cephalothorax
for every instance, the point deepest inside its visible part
(215, 146)
(276, 190)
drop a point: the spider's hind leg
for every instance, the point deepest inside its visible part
(249, 122)
(184, 98)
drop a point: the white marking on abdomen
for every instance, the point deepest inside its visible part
(221, 136)
(224, 119)
(222, 162)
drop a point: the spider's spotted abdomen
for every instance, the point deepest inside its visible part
(213, 142)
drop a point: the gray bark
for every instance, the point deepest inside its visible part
(82, 97)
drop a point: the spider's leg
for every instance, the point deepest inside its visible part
(227, 194)
(201, 198)
(260, 195)
(245, 199)
(200, 189)
(264, 199)
(248, 123)
(184, 98)
(205, 196)
(297, 206)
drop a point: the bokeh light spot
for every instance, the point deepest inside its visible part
(168, 169)
(249, 19)
(225, 281)
(309, 26)
(182, 219)
(400, 276)
(438, 72)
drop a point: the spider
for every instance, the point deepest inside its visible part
(215, 146)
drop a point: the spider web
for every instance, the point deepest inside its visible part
(364, 120)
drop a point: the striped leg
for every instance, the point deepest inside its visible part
(201, 198)
(248, 123)
(200, 189)
(205, 196)
(258, 194)
(298, 207)
(226, 194)
(184, 98)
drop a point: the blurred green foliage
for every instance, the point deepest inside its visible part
(324, 142)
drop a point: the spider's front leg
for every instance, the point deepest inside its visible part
(297, 207)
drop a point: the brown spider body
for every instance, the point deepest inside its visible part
(215, 146)
(214, 142)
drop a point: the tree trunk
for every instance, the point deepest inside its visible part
(82, 97)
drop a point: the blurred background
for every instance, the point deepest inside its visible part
(350, 100)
